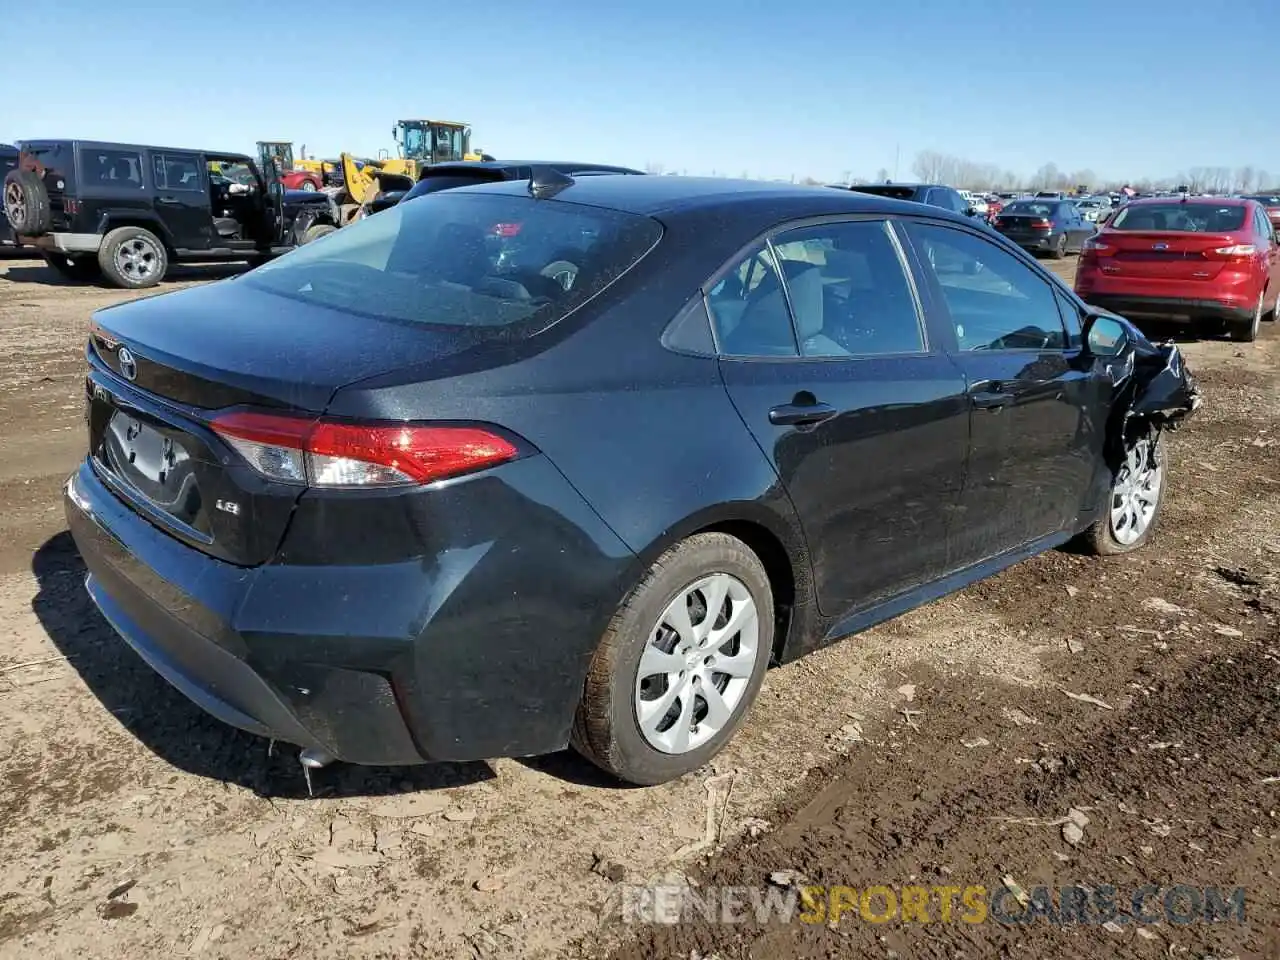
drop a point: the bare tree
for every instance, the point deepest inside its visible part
(882, 175)
(1246, 179)
(930, 166)
(1046, 178)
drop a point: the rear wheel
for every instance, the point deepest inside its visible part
(133, 258)
(82, 268)
(1246, 331)
(680, 663)
(1060, 248)
(308, 186)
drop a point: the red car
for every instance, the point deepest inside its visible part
(1195, 259)
(302, 180)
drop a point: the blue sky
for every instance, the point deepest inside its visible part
(1125, 87)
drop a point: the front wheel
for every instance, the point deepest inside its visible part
(1133, 505)
(680, 663)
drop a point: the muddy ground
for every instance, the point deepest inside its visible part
(940, 749)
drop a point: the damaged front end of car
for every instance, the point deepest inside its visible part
(1152, 382)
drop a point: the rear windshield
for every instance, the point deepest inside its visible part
(1185, 217)
(1030, 208)
(462, 259)
(888, 190)
(448, 182)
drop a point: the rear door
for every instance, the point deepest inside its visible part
(1032, 403)
(182, 198)
(845, 391)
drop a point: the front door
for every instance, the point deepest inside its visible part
(1034, 443)
(182, 199)
(864, 420)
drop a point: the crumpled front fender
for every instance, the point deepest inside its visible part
(1154, 383)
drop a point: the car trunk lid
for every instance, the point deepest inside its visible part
(1166, 254)
(162, 368)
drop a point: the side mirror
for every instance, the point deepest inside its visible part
(1104, 336)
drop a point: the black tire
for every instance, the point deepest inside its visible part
(1246, 331)
(1060, 248)
(316, 231)
(1100, 537)
(83, 268)
(150, 252)
(606, 730)
(26, 203)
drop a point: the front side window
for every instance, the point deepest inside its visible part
(749, 309)
(121, 169)
(849, 291)
(996, 302)
(509, 265)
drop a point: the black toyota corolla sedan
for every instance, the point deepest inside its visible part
(419, 491)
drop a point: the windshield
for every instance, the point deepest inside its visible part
(1029, 208)
(1184, 217)
(511, 263)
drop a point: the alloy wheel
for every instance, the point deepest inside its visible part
(1136, 492)
(15, 204)
(697, 664)
(137, 259)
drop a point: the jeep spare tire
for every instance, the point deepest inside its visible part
(26, 203)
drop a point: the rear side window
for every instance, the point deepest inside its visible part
(121, 169)
(176, 171)
(56, 158)
(749, 309)
(1186, 217)
(848, 291)
(512, 265)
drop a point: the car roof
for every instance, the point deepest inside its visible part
(111, 145)
(651, 195)
(458, 165)
(909, 186)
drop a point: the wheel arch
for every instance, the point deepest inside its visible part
(113, 219)
(778, 543)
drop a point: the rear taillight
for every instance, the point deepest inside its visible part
(333, 453)
(1097, 248)
(1042, 224)
(1237, 251)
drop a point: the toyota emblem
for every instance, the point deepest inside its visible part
(128, 366)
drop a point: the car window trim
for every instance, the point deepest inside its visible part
(887, 220)
(1043, 275)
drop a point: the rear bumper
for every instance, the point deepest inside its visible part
(1032, 241)
(65, 242)
(1169, 308)
(479, 652)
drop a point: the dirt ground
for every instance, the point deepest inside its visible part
(943, 748)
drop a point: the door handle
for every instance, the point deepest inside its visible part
(801, 414)
(167, 200)
(989, 395)
(992, 401)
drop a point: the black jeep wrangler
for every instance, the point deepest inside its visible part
(125, 211)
